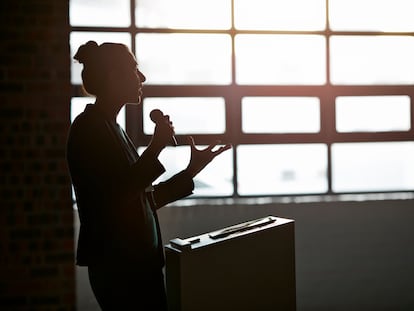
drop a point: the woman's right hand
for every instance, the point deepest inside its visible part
(163, 135)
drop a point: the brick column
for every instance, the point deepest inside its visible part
(36, 223)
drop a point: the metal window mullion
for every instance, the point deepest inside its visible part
(328, 105)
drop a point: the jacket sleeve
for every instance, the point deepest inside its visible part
(175, 188)
(99, 164)
(145, 171)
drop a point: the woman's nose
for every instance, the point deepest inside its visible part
(141, 76)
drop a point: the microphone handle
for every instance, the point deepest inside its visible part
(157, 116)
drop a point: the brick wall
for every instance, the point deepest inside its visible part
(36, 219)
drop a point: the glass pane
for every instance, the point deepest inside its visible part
(382, 166)
(185, 58)
(280, 115)
(79, 38)
(215, 180)
(190, 115)
(183, 14)
(280, 14)
(282, 169)
(280, 59)
(111, 13)
(78, 104)
(373, 113)
(371, 15)
(372, 60)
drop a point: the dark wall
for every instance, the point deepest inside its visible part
(36, 223)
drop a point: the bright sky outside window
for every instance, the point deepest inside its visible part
(280, 59)
(375, 166)
(185, 58)
(191, 115)
(183, 14)
(110, 13)
(371, 15)
(373, 113)
(280, 14)
(365, 60)
(282, 169)
(280, 114)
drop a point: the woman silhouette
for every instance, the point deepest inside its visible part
(119, 239)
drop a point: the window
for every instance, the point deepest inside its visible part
(316, 96)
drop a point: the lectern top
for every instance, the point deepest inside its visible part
(231, 232)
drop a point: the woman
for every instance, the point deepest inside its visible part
(119, 239)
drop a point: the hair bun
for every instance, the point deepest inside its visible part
(86, 52)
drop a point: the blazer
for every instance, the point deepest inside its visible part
(115, 197)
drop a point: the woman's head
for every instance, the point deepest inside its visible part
(109, 67)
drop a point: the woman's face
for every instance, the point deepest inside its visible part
(141, 79)
(128, 81)
(133, 85)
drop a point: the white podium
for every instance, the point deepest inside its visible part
(248, 266)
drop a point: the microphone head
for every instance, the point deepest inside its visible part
(156, 115)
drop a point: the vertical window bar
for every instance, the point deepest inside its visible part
(328, 103)
(231, 105)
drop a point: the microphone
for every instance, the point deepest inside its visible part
(157, 117)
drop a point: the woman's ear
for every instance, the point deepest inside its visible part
(111, 82)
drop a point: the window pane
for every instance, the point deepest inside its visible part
(215, 180)
(79, 38)
(282, 169)
(280, 115)
(280, 14)
(382, 166)
(183, 14)
(111, 13)
(78, 104)
(280, 59)
(372, 60)
(190, 115)
(373, 113)
(371, 15)
(185, 58)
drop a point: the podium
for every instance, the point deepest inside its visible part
(248, 266)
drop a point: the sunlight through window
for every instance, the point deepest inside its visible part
(185, 58)
(372, 60)
(280, 14)
(314, 95)
(190, 115)
(280, 115)
(183, 14)
(371, 15)
(282, 169)
(379, 166)
(110, 13)
(373, 113)
(280, 59)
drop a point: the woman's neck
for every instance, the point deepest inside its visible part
(109, 107)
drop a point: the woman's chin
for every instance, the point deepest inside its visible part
(135, 101)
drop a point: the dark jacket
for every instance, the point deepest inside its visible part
(118, 220)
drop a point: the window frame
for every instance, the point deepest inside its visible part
(233, 94)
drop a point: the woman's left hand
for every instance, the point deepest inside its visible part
(200, 158)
